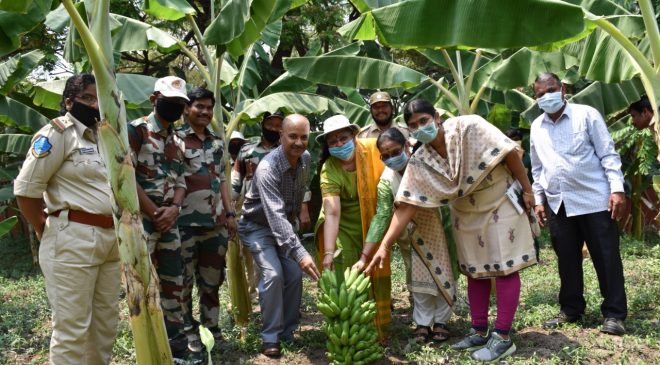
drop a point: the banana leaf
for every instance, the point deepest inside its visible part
(17, 144)
(17, 68)
(7, 225)
(286, 101)
(14, 24)
(167, 9)
(485, 24)
(16, 114)
(353, 71)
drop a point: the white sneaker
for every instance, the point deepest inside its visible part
(495, 349)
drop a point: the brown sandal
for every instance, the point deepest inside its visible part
(421, 333)
(439, 333)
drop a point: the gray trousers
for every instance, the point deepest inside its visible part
(280, 282)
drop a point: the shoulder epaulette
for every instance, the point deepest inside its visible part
(60, 124)
(139, 121)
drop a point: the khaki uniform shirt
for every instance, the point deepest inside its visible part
(204, 172)
(64, 168)
(373, 130)
(158, 158)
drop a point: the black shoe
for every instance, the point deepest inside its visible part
(271, 349)
(560, 319)
(613, 326)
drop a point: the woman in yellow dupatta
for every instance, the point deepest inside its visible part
(349, 179)
(469, 164)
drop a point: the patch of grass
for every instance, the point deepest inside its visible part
(25, 318)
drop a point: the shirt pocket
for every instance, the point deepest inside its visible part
(90, 167)
(579, 143)
(193, 160)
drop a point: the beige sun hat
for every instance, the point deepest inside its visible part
(335, 123)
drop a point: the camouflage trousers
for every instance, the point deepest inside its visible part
(203, 250)
(165, 251)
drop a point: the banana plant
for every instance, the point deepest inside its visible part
(146, 317)
(513, 24)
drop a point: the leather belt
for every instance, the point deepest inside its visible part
(97, 220)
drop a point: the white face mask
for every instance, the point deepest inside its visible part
(551, 102)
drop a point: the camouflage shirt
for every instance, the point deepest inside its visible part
(204, 171)
(158, 158)
(245, 166)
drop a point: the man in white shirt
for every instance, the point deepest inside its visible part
(578, 188)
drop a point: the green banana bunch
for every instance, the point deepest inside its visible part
(352, 335)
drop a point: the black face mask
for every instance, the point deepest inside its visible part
(234, 148)
(270, 136)
(85, 114)
(169, 110)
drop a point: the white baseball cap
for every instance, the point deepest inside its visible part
(335, 123)
(237, 135)
(171, 87)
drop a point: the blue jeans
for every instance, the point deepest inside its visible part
(280, 282)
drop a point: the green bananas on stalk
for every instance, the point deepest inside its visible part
(352, 335)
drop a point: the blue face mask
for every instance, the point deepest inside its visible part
(397, 163)
(344, 152)
(551, 102)
(427, 133)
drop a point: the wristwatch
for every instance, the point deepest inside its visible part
(178, 206)
(230, 214)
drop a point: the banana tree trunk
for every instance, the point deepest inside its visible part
(139, 276)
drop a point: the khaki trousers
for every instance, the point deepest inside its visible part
(80, 264)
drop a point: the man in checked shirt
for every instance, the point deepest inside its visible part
(266, 229)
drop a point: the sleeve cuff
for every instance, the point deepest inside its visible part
(616, 187)
(181, 183)
(539, 199)
(307, 197)
(297, 251)
(29, 189)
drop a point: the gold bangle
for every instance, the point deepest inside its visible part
(328, 253)
(528, 194)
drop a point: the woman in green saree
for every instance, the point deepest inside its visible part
(432, 280)
(349, 177)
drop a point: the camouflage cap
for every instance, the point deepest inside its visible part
(379, 96)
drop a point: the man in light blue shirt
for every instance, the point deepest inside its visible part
(578, 188)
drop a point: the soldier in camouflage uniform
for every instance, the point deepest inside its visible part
(207, 217)
(158, 157)
(243, 171)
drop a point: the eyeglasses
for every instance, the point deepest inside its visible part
(384, 157)
(88, 99)
(339, 140)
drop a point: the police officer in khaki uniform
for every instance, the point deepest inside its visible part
(382, 112)
(79, 254)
